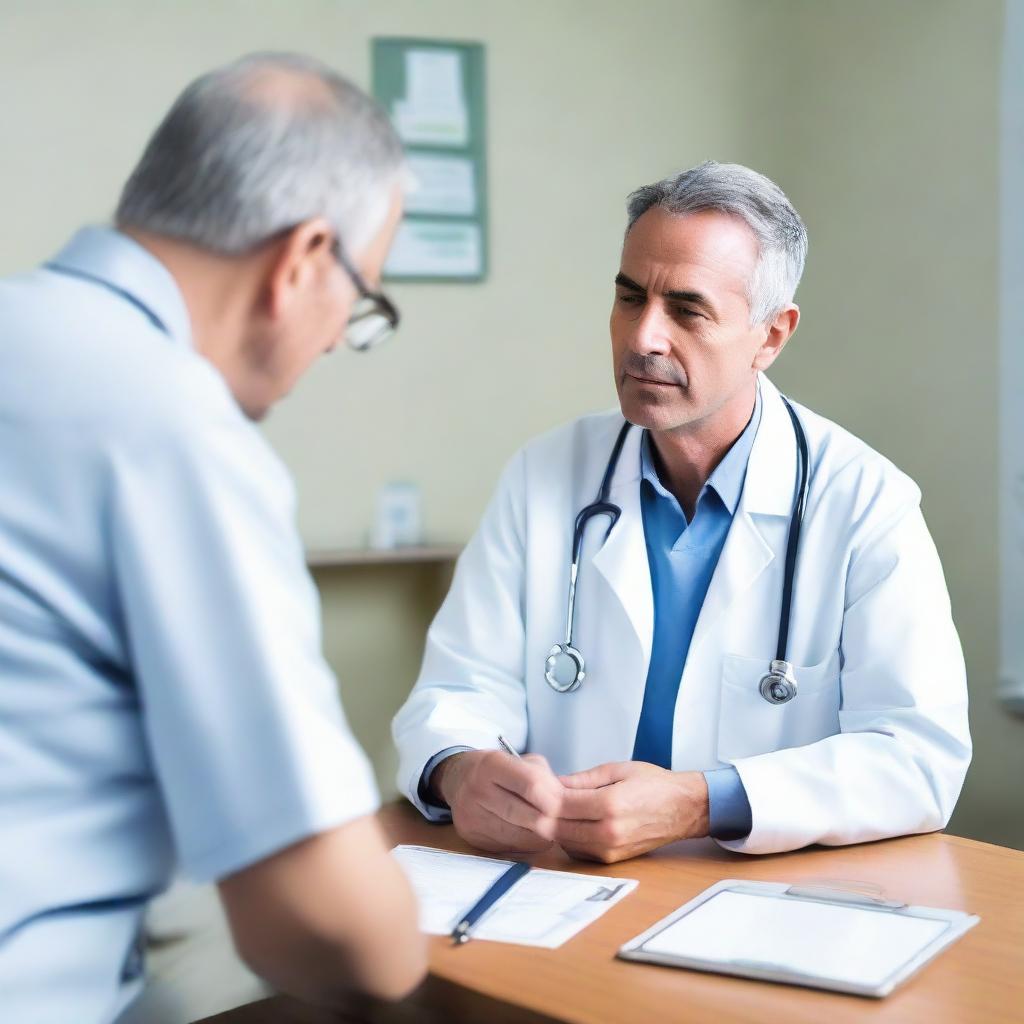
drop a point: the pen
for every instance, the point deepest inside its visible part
(460, 933)
(507, 747)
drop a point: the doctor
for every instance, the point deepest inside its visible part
(754, 641)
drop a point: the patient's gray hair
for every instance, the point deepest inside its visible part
(260, 145)
(762, 205)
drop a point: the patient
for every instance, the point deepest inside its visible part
(164, 701)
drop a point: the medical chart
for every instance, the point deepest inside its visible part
(545, 908)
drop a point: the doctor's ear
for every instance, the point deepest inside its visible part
(780, 330)
(300, 260)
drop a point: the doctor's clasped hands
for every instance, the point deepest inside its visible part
(609, 813)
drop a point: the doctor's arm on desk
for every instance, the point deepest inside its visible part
(447, 731)
(498, 802)
(898, 762)
(894, 768)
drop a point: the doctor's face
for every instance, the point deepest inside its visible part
(682, 342)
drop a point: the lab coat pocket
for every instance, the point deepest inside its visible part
(748, 724)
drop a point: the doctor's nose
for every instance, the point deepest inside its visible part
(649, 334)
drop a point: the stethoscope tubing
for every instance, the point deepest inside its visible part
(601, 507)
(795, 524)
(780, 673)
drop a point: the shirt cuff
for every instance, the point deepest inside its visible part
(728, 807)
(435, 810)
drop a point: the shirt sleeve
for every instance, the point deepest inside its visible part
(470, 688)
(248, 740)
(433, 809)
(728, 806)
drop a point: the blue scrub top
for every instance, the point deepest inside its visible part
(163, 697)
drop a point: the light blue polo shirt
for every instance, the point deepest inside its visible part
(163, 697)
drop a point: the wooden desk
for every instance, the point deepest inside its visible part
(979, 979)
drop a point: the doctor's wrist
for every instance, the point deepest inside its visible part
(693, 808)
(444, 778)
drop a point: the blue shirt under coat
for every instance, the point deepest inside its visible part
(682, 557)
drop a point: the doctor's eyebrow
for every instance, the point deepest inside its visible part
(627, 282)
(696, 298)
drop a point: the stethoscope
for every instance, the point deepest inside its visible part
(565, 668)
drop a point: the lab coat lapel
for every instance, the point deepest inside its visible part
(622, 560)
(768, 490)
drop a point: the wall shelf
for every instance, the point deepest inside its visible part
(340, 558)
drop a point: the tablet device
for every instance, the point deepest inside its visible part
(820, 938)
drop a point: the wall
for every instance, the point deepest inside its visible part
(1011, 365)
(888, 141)
(879, 119)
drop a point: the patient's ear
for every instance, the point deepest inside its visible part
(300, 262)
(780, 330)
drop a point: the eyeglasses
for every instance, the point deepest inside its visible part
(375, 317)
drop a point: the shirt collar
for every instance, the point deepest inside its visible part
(727, 478)
(119, 263)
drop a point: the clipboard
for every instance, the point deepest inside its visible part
(815, 936)
(545, 908)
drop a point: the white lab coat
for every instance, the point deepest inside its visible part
(876, 741)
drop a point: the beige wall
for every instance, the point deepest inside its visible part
(879, 119)
(576, 118)
(890, 151)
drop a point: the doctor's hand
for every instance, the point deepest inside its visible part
(500, 803)
(621, 810)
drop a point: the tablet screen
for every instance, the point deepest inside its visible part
(785, 934)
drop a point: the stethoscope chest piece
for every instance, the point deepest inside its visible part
(564, 669)
(779, 685)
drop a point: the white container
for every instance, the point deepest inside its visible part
(398, 522)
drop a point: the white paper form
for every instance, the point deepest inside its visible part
(433, 111)
(545, 908)
(442, 184)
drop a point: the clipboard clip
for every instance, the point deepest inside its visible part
(604, 894)
(862, 894)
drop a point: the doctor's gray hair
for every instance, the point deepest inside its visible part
(259, 146)
(760, 203)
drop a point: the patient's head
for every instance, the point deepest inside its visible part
(263, 179)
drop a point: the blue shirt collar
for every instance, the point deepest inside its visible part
(727, 478)
(119, 263)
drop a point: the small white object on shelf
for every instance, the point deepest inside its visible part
(398, 520)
